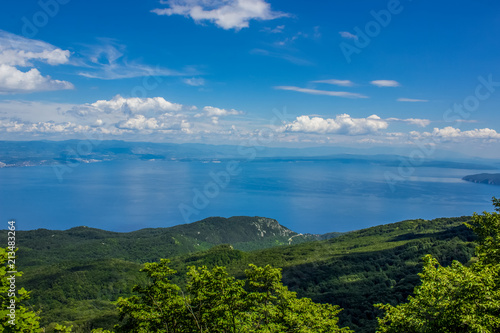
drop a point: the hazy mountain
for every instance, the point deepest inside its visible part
(30, 153)
(484, 178)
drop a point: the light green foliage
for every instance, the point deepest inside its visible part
(457, 298)
(62, 328)
(25, 320)
(216, 302)
(158, 308)
(487, 227)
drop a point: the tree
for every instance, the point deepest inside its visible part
(159, 306)
(218, 303)
(458, 298)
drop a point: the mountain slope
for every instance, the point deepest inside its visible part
(355, 270)
(44, 246)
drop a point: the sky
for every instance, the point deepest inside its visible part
(358, 73)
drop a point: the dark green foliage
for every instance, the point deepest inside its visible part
(15, 316)
(44, 246)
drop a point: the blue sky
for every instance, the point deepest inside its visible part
(345, 73)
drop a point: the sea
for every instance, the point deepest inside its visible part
(306, 196)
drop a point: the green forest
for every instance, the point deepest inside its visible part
(441, 275)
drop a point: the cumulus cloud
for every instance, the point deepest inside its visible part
(122, 105)
(321, 92)
(216, 113)
(12, 80)
(17, 51)
(136, 104)
(342, 83)
(411, 100)
(385, 83)
(48, 127)
(450, 133)
(140, 122)
(227, 14)
(341, 124)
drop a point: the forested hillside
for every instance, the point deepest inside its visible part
(74, 275)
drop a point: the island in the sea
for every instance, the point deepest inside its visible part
(484, 178)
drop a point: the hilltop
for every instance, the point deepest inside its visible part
(244, 233)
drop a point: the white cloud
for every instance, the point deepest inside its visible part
(385, 83)
(48, 127)
(12, 80)
(342, 83)
(412, 121)
(411, 100)
(465, 121)
(322, 92)
(133, 105)
(107, 61)
(194, 81)
(227, 14)
(342, 124)
(279, 29)
(216, 112)
(348, 35)
(34, 111)
(17, 51)
(140, 122)
(450, 133)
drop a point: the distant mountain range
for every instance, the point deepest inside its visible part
(484, 178)
(32, 153)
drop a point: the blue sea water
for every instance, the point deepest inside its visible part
(307, 197)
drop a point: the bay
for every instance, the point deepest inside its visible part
(305, 196)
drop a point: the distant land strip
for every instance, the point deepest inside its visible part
(484, 178)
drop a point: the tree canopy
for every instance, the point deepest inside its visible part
(216, 302)
(457, 298)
